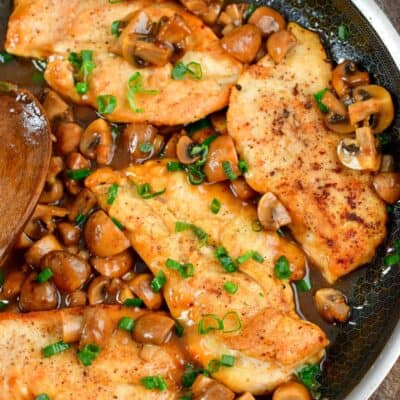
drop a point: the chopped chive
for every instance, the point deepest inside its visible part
(42, 396)
(6, 57)
(308, 375)
(210, 139)
(80, 220)
(251, 254)
(227, 360)
(179, 329)
(318, 98)
(198, 126)
(133, 302)
(185, 270)
(146, 147)
(144, 191)
(230, 287)
(243, 166)
(88, 354)
(82, 87)
(392, 259)
(304, 285)
(343, 32)
(154, 383)
(209, 322)
(190, 374)
(187, 396)
(225, 260)
(384, 138)
(174, 166)
(179, 71)
(215, 206)
(106, 104)
(396, 245)
(249, 11)
(159, 281)
(199, 233)
(83, 66)
(44, 275)
(213, 366)
(227, 167)
(112, 193)
(282, 269)
(78, 174)
(115, 132)
(55, 348)
(195, 174)
(117, 223)
(38, 78)
(193, 69)
(116, 28)
(3, 304)
(135, 86)
(235, 323)
(126, 324)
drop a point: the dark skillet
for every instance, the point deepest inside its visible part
(373, 291)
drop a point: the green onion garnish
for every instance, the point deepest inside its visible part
(231, 287)
(213, 366)
(198, 126)
(2, 277)
(243, 166)
(78, 174)
(233, 321)
(83, 66)
(190, 375)
(281, 232)
(42, 396)
(44, 275)
(133, 302)
(144, 191)
(146, 147)
(179, 329)
(159, 281)
(6, 57)
(80, 220)
(185, 270)
(200, 234)
(215, 206)
(343, 32)
(88, 354)
(3, 304)
(38, 78)
(106, 104)
(318, 98)
(154, 382)
(174, 166)
(135, 86)
(308, 375)
(117, 223)
(384, 138)
(227, 167)
(195, 174)
(304, 285)
(82, 87)
(55, 348)
(116, 28)
(282, 269)
(112, 193)
(126, 324)
(249, 11)
(251, 254)
(225, 260)
(392, 259)
(209, 322)
(193, 69)
(227, 360)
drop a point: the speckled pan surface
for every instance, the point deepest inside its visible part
(374, 291)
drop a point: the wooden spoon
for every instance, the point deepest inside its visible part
(25, 151)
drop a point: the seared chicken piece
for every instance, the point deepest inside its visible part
(336, 215)
(260, 326)
(53, 29)
(115, 374)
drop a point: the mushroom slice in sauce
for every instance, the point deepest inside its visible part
(272, 214)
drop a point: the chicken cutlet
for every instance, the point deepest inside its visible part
(336, 215)
(53, 30)
(115, 374)
(258, 324)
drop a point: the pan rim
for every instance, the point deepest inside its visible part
(391, 352)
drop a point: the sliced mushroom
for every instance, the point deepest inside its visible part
(205, 388)
(77, 161)
(13, 284)
(141, 286)
(153, 329)
(70, 234)
(72, 325)
(360, 153)
(219, 122)
(221, 149)
(291, 391)
(82, 205)
(184, 146)
(271, 213)
(97, 327)
(97, 143)
(232, 17)
(102, 237)
(267, 20)
(70, 272)
(37, 296)
(43, 246)
(68, 136)
(207, 10)
(337, 118)
(174, 30)
(115, 266)
(332, 305)
(52, 192)
(347, 76)
(171, 146)
(387, 164)
(241, 189)
(279, 44)
(374, 106)
(97, 290)
(78, 298)
(23, 241)
(55, 107)
(247, 396)
(387, 185)
(243, 43)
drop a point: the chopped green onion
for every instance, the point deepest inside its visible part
(174, 166)
(115, 1)
(144, 191)
(209, 322)
(200, 233)
(281, 232)
(88, 354)
(282, 269)
(190, 374)
(42, 396)
(256, 226)
(55, 348)
(80, 220)
(44, 275)
(243, 166)
(251, 254)
(158, 282)
(210, 139)
(187, 396)
(3, 304)
(126, 324)
(6, 57)
(116, 28)
(235, 322)
(308, 375)
(106, 104)
(396, 245)
(227, 167)
(231, 287)
(185, 270)
(38, 78)
(215, 206)
(227, 360)
(304, 285)
(213, 366)
(193, 69)
(82, 87)
(198, 126)
(146, 147)
(112, 193)
(179, 71)
(78, 174)
(2, 277)
(133, 302)
(154, 382)
(179, 329)
(384, 138)
(318, 98)
(225, 260)
(196, 175)
(115, 131)
(117, 223)
(83, 65)
(249, 11)
(135, 86)
(343, 32)
(392, 259)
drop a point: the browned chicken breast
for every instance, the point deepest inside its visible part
(336, 215)
(54, 30)
(115, 374)
(256, 323)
